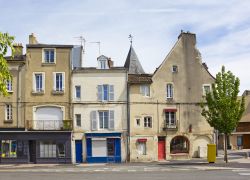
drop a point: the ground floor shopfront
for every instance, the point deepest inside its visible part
(99, 147)
(145, 148)
(35, 147)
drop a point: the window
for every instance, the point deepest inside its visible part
(111, 146)
(61, 150)
(47, 149)
(239, 141)
(39, 82)
(138, 123)
(103, 64)
(206, 89)
(148, 121)
(9, 148)
(105, 92)
(9, 85)
(169, 89)
(59, 81)
(141, 148)
(103, 119)
(174, 68)
(78, 92)
(49, 56)
(8, 112)
(145, 90)
(170, 119)
(179, 144)
(78, 119)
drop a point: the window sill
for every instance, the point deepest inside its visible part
(48, 64)
(169, 99)
(38, 93)
(8, 121)
(57, 92)
(10, 92)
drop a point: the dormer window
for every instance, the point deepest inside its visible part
(102, 62)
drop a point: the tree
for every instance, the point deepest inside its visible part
(6, 42)
(223, 109)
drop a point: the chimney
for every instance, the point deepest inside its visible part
(188, 36)
(18, 49)
(32, 39)
(110, 63)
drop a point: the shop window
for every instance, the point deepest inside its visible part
(61, 150)
(179, 144)
(9, 148)
(47, 149)
(111, 146)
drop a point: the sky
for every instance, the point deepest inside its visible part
(222, 29)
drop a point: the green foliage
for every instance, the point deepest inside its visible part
(6, 41)
(223, 109)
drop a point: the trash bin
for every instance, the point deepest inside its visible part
(211, 153)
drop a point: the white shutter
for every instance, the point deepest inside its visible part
(111, 92)
(111, 120)
(99, 92)
(93, 120)
(43, 81)
(63, 81)
(141, 89)
(54, 81)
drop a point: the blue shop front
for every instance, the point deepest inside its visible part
(103, 147)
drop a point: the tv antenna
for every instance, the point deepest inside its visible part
(83, 42)
(99, 46)
(130, 39)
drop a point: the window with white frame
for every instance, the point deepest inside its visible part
(138, 121)
(38, 82)
(9, 85)
(103, 119)
(78, 92)
(141, 148)
(105, 92)
(59, 81)
(174, 69)
(78, 120)
(170, 118)
(170, 91)
(148, 122)
(47, 149)
(145, 90)
(206, 88)
(8, 112)
(61, 150)
(49, 55)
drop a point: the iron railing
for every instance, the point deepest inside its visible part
(169, 126)
(62, 125)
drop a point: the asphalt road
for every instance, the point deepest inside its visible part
(172, 175)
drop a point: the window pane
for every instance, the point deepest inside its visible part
(106, 119)
(101, 120)
(105, 92)
(78, 91)
(61, 150)
(78, 119)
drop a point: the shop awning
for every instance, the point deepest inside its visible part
(170, 110)
(142, 140)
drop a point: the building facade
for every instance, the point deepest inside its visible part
(11, 109)
(99, 98)
(165, 114)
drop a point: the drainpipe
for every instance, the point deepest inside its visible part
(158, 131)
(128, 122)
(17, 95)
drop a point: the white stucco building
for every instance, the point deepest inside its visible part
(99, 101)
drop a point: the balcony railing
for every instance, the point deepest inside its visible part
(169, 126)
(63, 125)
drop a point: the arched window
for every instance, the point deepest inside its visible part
(179, 144)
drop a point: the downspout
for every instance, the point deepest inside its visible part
(128, 121)
(158, 121)
(17, 96)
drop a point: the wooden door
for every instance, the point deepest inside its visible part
(161, 149)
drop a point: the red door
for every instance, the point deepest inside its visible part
(161, 149)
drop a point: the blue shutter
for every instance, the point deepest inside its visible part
(111, 120)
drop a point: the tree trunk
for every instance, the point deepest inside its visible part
(225, 148)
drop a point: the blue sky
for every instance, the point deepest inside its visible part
(222, 28)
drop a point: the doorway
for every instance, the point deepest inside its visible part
(161, 148)
(78, 146)
(32, 151)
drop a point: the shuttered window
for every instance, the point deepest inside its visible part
(105, 120)
(105, 92)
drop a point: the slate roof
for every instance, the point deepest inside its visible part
(132, 63)
(140, 78)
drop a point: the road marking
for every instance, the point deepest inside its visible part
(244, 174)
(131, 170)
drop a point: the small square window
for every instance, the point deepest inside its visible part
(174, 68)
(206, 89)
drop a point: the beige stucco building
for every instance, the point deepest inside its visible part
(165, 115)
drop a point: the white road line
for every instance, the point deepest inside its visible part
(240, 170)
(244, 174)
(131, 170)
